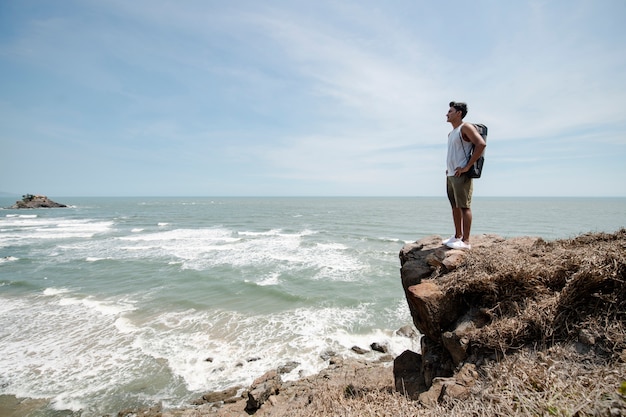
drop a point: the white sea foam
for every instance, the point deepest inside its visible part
(187, 245)
(70, 353)
(242, 347)
(83, 352)
(272, 279)
(393, 239)
(272, 232)
(125, 325)
(55, 291)
(7, 259)
(331, 246)
(202, 249)
(93, 259)
(190, 235)
(141, 248)
(102, 307)
(395, 343)
(24, 229)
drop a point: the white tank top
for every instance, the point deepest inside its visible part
(458, 151)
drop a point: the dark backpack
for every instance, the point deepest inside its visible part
(477, 169)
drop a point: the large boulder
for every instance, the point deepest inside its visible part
(422, 263)
(458, 387)
(261, 389)
(439, 316)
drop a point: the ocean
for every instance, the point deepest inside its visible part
(122, 302)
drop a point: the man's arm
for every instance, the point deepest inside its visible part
(468, 131)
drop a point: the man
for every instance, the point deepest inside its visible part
(459, 186)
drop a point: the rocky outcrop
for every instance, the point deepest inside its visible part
(261, 389)
(30, 201)
(503, 294)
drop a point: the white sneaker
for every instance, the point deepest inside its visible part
(451, 239)
(459, 244)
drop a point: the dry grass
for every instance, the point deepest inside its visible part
(548, 292)
(558, 382)
(365, 390)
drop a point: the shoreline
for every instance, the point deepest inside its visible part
(366, 388)
(228, 402)
(336, 365)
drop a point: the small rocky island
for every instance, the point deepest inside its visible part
(30, 201)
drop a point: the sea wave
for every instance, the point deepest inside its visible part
(23, 230)
(92, 355)
(8, 259)
(204, 249)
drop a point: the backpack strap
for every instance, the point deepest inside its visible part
(463, 144)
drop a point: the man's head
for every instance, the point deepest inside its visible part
(458, 106)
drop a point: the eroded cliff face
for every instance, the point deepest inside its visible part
(473, 306)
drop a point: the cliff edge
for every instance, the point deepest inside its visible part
(508, 296)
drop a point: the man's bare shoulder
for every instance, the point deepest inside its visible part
(468, 127)
(471, 134)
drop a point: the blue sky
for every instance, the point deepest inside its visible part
(300, 98)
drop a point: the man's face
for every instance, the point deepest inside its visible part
(452, 114)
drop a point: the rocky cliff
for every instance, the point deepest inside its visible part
(505, 295)
(35, 201)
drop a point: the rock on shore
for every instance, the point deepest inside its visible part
(30, 201)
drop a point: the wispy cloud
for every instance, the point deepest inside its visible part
(337, 96)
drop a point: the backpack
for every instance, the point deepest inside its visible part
(477, 169)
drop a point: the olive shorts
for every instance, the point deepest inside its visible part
(460, 191)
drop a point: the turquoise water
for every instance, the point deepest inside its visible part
(119, 302)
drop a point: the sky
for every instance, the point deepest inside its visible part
(309, 98)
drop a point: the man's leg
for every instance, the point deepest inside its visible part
(466, 220)
(456, 211)
(457, 216)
